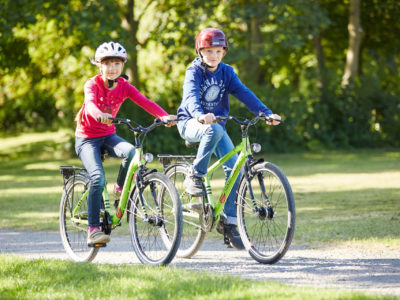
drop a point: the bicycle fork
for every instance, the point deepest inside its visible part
(261, 212)
(154, 220)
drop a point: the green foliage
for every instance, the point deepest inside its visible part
(45, 48)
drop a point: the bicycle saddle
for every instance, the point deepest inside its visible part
(104, 153)
(191, 144)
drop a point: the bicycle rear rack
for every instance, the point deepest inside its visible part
(68, 171)
(166, 159)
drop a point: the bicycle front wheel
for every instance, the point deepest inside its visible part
(266, 222)
(74, 219)
(155, 220)
(192, 234)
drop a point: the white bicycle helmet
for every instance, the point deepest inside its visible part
(110, 49)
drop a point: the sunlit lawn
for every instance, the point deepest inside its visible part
(56, 279)
(340, 196)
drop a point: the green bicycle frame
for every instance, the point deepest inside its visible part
(137, 161)
(245, 150)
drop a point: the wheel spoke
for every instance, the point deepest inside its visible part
(193, 235)
(156, 237)
(266, 222)
(74, 234)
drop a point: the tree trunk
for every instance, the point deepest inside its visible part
(251, 67)
(353, 52)
(132, 25)
(321, 81)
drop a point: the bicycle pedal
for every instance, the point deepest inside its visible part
(220, 228)
(97, 245)
(220, 225)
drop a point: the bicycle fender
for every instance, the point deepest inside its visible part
(149, 172)
(180, 163)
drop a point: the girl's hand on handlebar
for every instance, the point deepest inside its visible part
(103, 118)
(275, 119)
(207, 118)
(170, 118)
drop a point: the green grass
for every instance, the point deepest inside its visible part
(56, 279)
(341, 197)
(346, 196)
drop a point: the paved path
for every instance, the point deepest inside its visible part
(367, 270)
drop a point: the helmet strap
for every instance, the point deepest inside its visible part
(202, 61)
(111, 82)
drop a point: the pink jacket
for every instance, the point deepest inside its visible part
(109, 101)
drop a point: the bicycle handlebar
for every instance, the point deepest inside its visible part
(246, 121)
(139, 129)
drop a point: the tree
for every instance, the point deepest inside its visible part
(289, 52)
(353, 51)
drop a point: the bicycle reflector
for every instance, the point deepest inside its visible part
(256, 147)
(148, 157)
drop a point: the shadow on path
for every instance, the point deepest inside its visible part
(355, 269)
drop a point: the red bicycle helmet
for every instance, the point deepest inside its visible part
(210, 37)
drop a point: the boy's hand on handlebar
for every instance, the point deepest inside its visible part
(103, 118)
(207, 118)
(171, 118)
(275, 119)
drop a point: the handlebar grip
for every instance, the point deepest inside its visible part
(269, 118)
(277, 120)
(114, 120)
(217, 119)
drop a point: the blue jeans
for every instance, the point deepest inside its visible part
(89, 152)
(213, 140)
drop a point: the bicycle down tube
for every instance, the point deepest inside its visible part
(244, 150)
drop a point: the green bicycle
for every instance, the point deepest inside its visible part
(152, 203)
(265, 203)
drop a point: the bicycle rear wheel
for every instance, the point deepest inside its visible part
(192, 233)
(156, 226)
(266, 224)
(74, 226)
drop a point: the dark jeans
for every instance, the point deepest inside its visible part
(89, 151)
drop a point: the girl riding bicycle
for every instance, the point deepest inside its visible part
(104, 95)
(208, 83)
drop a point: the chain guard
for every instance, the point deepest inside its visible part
(207, 218)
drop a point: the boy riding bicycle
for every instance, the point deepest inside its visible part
(208, 83)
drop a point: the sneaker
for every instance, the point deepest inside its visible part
(230, 233)
(97, 237)
(194, 185)
(117, 190)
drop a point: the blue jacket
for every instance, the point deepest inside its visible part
(207, 92)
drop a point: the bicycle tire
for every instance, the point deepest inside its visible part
(192, 233)
(156, 239)
(267, 232)
(74, 235)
